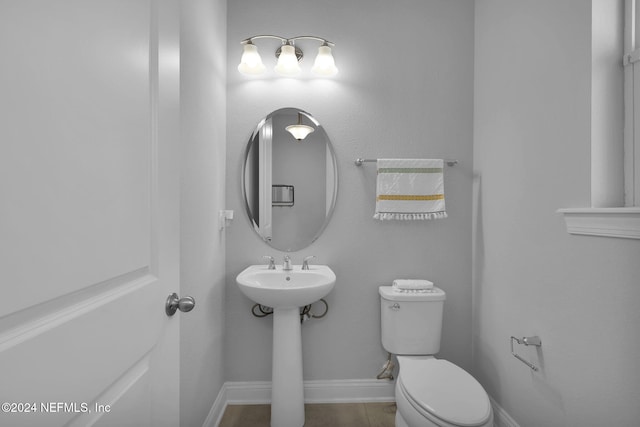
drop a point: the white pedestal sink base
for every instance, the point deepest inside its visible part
(286, 291)
(287, 388)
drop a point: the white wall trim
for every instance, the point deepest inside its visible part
(349, 391)
(605, 222)
(217, 409)
(248, 392)
(331, 391)
(500, 417)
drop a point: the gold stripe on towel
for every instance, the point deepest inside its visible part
(410, 197)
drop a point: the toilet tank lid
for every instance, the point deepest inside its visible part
(434, 294)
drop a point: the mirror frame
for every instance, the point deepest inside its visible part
(334, 163)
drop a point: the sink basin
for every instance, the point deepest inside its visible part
(286, 289)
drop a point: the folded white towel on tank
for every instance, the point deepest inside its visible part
(412, 285)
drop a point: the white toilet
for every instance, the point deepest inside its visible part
(430, 392)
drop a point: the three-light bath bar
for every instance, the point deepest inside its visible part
(288, 55)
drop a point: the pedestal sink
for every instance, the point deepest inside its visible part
(286, 292)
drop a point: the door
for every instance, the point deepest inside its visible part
(265, 152)
(89, 193)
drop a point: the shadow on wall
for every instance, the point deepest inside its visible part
(488, 373)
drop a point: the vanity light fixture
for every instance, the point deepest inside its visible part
(251, 63)
(299, 131)
(324, 64)
(289, 55)
(287, 61)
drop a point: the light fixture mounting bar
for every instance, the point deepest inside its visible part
(263, 36)
(285, 40)
(323, 41)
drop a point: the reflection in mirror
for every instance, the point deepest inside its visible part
(289, 184)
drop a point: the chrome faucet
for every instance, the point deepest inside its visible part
(272, 262)
(286, 265)
(305, 262)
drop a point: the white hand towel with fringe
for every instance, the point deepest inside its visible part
(410, 189)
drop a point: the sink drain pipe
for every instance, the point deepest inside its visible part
(259, 310)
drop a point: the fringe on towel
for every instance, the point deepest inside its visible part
(409, 216)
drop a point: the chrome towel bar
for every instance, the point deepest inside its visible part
(535, 341)
(360, 161)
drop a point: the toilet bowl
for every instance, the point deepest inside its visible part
(433, 392)
(430, 392)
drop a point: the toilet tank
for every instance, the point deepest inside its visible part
(411, 322)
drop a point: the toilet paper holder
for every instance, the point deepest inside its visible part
(535, 341)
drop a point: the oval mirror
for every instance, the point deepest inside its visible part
(290, 179)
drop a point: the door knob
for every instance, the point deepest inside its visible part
(174, 303)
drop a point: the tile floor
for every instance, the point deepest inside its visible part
(379, 414)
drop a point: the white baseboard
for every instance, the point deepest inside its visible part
(217, 410)
(500, 417)
(349, 391)
(331, 391)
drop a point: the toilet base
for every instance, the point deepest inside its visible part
(400, 422)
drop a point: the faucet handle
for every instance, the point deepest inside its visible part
(272, 262)
(305, 262)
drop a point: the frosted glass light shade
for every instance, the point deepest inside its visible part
(324, 64)
(251, 63)
(287, 62)
(299, 131)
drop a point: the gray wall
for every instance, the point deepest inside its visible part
(532, 157)
(301, 164)
(203, 87)
(405, 89)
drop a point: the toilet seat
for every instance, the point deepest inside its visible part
(443, 392)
